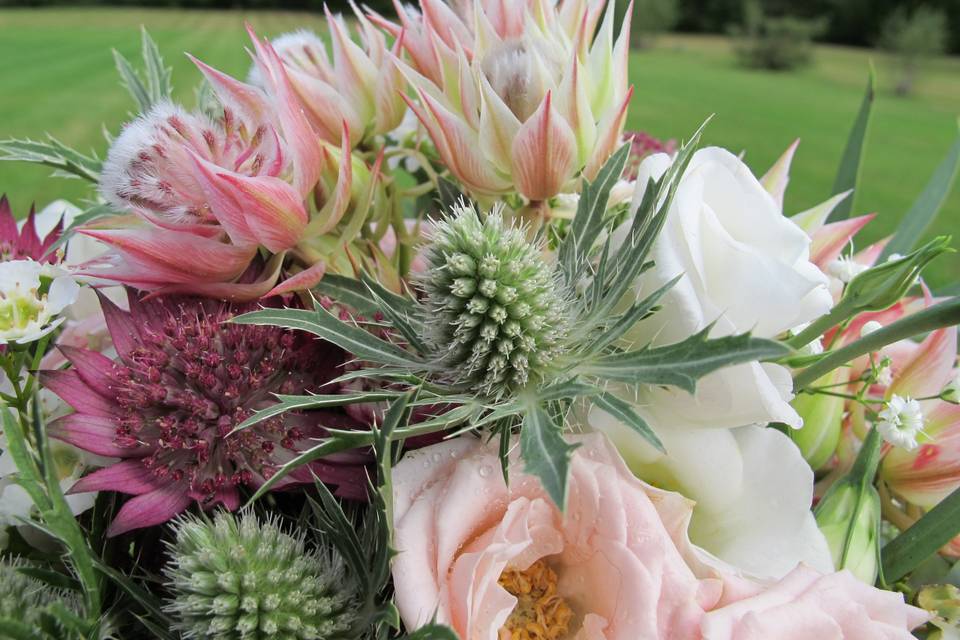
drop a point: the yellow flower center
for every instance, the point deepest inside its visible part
(541, 613)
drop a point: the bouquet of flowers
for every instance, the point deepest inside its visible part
(404, 336)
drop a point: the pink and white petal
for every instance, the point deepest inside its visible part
(612, 126)
(274, 211)
(72, 389)
(775, 180)
(149, 509)
(248, 101)
(830, 240)
(95, 369)
(813, 219)
(544, 153)
(128, 476)
(303, 281)
(498, 128)
(930, 369)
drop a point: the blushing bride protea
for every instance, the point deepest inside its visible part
(520, 96)
(183, 379)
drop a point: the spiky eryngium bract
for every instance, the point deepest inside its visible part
(24, 599)
(237, 579)
(495, 315)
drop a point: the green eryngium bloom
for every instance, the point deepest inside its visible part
(24, 599)
(494, 312)
(237, 579)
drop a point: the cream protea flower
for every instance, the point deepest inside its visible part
(495, 315)
(32, 296)
(360, 86)
(900, 422)
(246, 581)
(521, 96)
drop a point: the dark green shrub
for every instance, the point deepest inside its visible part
(776, 43)
(911, 37)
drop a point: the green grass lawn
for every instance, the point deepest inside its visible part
(57, 75)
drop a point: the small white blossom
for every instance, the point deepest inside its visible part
(869, 327)
(900, 422)
(32, 296)
(885, 374)
(845, 268)
(894, 256)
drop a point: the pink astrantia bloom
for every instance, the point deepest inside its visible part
(517, 97)
(358, 85)
(166, 406)
(24, 243)
(212, 190)
(616, 565)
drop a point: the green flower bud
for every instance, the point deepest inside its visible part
(237, 579)
(822, 422)
(883, 285)
(857, 550)
(495, 316)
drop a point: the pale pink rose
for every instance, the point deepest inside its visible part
(616, 566)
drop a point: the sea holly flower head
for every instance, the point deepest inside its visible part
(494, 308)
(235, 578)
(167, 405)
(24, 243)
(33, 297)
(518, 97)
(900, 421)
(27, 600)
(358, 84)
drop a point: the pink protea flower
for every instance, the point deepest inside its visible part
(24, 243)
(517, 97)
(213, 189)
(183, 379)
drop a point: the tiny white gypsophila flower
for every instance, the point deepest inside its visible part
(32, 296)
(900, 422)
(845, 268)
(894, 256)
(869, 327)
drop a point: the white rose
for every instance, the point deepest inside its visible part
(745, 268)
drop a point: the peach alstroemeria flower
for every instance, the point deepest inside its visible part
(502, 562)
(518, 97)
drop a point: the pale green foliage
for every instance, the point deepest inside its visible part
(234, 578)
(494, 315)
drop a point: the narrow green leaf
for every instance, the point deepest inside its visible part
(545, 453)
(132, 83)
(848, 174)
(924, 211)
(157, 73)
(18, 631)
(52, 153)
(295, 403)
(622, 411)
(150, 603)
(944, 314)
(348, 291)
(449, 195)
(320, 322)
(935, 529)
(403, 318)
(432, 631)
(587, 223)
(683, 363)
(625, 321)
(53, 578)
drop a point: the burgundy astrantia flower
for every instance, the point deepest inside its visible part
(642, 144)
(183, 379)
(25, 243)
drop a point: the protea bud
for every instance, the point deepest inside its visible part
(25, 600)
(495, 312)
(234, 578)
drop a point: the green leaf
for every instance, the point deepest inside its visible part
(545, 453)
(15, 630)
(52, 153)
(449, 195)
(295, 403)
(625, 413)
(362, 344)
(156, 86)
(588, 221)
(625, 321)
(935, 529)
(944, 314)
(683, 363)
(400, 312)
(924, 211)
(53, 578)
(151, 604)
(432, 631)
(348, 291)
(848, 174)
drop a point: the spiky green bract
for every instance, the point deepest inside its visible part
(234, 578)
(26, 601)
(495, 316)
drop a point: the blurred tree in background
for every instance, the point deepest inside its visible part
(911, 37)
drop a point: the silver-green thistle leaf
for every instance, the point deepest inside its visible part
(494, 313)
(545, 453)
(234, 578)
